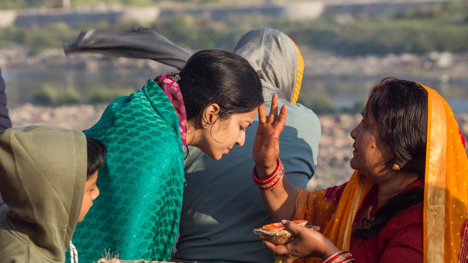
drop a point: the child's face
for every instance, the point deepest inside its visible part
(91, 193)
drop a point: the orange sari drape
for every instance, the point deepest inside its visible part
(445, 196)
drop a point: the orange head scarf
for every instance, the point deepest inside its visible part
(446, 192)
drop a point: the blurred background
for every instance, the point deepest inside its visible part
(347, 46)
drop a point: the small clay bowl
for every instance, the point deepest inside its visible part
(275, 233)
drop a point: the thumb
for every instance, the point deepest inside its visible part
(292, 227)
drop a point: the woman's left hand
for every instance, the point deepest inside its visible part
(307, 243)
(266, 145)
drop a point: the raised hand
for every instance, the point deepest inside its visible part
(308, 243)
(266, 145)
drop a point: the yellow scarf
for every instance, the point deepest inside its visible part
(299, 74)
(445, 196)
(446, 192)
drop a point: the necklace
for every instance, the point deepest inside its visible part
(364, 222)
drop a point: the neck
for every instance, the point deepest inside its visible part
(193, 134)
(393, 184)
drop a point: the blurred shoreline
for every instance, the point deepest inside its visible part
(333, 157)
(441, 69)
(445, 66)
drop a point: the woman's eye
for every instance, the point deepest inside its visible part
(364, 123)
(242, 128)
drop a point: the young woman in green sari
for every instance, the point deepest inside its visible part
(209, 104)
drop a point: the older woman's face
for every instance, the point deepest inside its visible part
(370, 154)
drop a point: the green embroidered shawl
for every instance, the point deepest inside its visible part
(137, 213)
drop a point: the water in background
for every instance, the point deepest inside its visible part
(342, 91)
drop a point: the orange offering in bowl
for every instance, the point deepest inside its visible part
(280, 226)
(275, 232)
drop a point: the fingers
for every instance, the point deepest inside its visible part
(293, 228)
(279, 125)
(273, 109)
(262, 113)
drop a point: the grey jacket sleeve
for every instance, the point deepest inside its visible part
(5, 121)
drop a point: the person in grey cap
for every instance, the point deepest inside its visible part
(221, 205)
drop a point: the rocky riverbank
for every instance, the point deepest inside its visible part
(444, 66)
(335, 144)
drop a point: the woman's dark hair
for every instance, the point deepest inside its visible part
(96, 155)
(222, 77)
(400, 109)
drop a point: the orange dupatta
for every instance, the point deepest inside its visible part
(445, 197)
(446, 192)
(337, 223)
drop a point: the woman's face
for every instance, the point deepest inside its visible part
(370, 154)
(219, 138)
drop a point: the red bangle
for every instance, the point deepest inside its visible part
(272, 180)
(268, 178)
(340, 257)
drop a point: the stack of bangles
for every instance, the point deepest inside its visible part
(271, 181)
(340, 257)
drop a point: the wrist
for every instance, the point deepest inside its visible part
(270, 181)
(338, 257)
(263, 171)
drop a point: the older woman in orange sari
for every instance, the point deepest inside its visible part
(407, 199)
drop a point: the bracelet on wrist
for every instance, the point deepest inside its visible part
(268, 178)
(272, 180)
(340, 257)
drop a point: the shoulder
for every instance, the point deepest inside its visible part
(302, 123)
(299, 110)
(303, 120)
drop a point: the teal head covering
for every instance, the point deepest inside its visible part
(137, 213)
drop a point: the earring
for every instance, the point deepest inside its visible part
(396, 167)
(175, 76)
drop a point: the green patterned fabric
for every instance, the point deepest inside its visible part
(138, 211)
